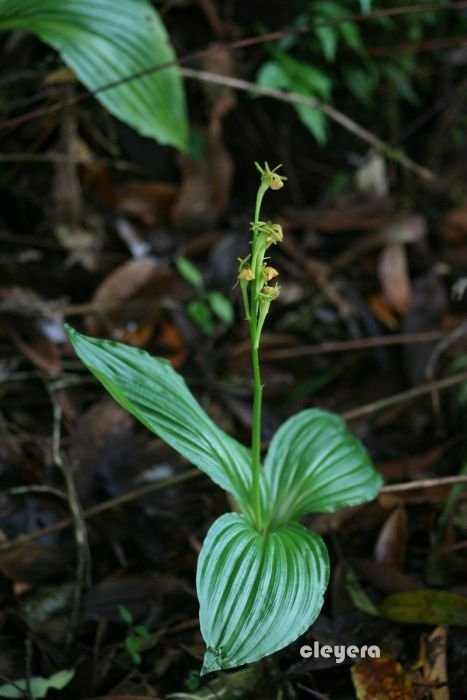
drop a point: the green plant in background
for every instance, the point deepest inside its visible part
(135, 635)
(333, 59)
(208, 304)
(36, 687)
(104, 43)
(261, 575)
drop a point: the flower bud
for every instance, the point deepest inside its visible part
(269, 273)
(270, 178)
(246, 274)
(276, 182)
(275, 234)
(268, 294)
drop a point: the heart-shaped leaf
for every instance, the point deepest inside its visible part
(154, 393)
(314, 464)
(103, 42)
(257, 592)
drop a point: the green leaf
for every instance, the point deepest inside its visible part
(201, 315)
(352, 36)
(133, 647)
(304, 78)
(189, 272)
(315, 121)
(257, 592)
(314, 464)
(141, 631)
(221, 306)
(360, 81)
(358, 596)
(151, 390)
(425, 607)
(272, 75)
(402, 81)
(327, 37)
(125, 614)
(104, 41)
(38, 686)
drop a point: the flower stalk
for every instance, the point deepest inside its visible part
(254, 277)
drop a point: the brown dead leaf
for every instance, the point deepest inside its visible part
(101, 446)
(381, 679)
(148, 202)
(383, 577)
(382, 311)
(392, 540)
(33, 562)
(394, 277)
(434, 671)
(355, 216)
(126, 282)
(35, 331)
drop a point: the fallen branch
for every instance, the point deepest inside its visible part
(334, 114)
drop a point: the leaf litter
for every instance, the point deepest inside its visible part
(356, 265)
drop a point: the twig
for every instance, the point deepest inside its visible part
(425, 484)
(334, 114)
(36, 488)
(404, 396)
(357, 344)
(82, 546)
(439, 349)
(117, 164)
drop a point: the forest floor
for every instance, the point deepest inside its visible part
(100, 522)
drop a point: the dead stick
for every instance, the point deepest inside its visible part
(404, 396)
(334, 114)
(347, 345)
(425, 484)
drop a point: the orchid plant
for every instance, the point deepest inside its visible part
(261, 574)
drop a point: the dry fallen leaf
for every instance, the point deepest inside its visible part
(391, 543)
(425, 607)
(381, 679)
(394, 277)
(435, 667)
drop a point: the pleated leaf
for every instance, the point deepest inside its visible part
(103, 41)
(151, 390)
(314, 464)
(257, 593)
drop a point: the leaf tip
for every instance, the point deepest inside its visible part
(71, 333)
(212, 661)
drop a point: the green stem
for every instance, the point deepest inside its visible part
(258, 388)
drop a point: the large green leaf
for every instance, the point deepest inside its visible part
(104, 41)
(314, 464)
(151, 390)
(257, 593)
